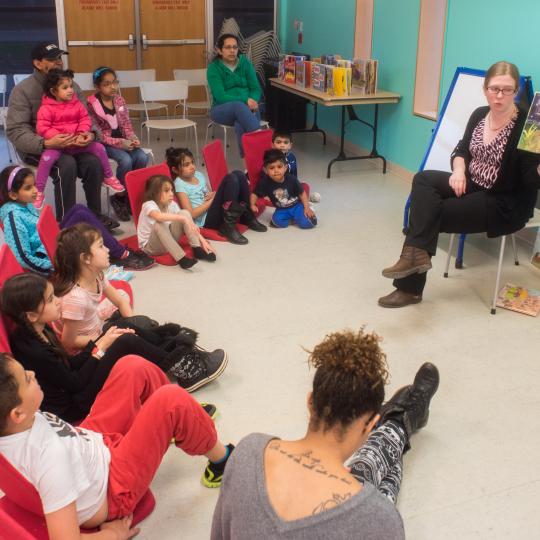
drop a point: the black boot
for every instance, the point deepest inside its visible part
(410, 405)
(252, 222)
(231, 216)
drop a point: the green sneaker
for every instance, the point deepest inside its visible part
(213, 474)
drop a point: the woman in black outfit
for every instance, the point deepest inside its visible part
(492, 187)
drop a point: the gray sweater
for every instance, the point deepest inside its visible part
(23, 106)
(244, 512)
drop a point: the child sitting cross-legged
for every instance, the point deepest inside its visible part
(94, 475)
(285, 191)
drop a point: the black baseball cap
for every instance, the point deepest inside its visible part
(48, 51)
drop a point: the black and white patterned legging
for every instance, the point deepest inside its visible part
(380, 460)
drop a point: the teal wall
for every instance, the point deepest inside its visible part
(479, 32)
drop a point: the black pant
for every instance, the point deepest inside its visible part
(124, 345)
(234, 187)
(435, 209)
(65, 173)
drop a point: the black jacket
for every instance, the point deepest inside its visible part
(512, 197)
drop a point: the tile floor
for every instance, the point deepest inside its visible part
(473, 472)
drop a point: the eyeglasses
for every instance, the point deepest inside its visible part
(106, 84)
(230, 47)
(504, 91)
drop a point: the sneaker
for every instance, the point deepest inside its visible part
(187, 262)
(210, 410)
(198, 367)
(199, 253)
(108, 222)
(114, 184)
(133, 261)
(40, 200)
(121, 208)
(410, 404)
(213, 474)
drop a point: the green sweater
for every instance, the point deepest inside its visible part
(238, 85)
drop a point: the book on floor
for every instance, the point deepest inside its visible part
(519, 299)
(530, 136)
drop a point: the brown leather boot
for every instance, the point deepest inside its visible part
(399, 299)
(411, 261)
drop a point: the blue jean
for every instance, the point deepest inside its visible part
(127, 161)
(239, 115)
(283, 216)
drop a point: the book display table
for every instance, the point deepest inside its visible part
(345, 102)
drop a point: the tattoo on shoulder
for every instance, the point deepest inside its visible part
(308, 461)
(336, 500)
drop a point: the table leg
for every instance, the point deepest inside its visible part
(314, 128)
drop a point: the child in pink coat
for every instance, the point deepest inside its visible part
(62, 113)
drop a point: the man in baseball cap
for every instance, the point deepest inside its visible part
(49, 51)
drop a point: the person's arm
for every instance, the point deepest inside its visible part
(85, 122)
(124, 121)
(253, 202)
(16, 237)
(253, 82)
(62, 525)
(308, 212)
(70, 337)
(185, 204)
(121, 301)
(94, 129)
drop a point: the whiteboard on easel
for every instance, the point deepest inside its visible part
(464, 96)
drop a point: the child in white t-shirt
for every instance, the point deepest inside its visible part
(162, 223)
(98, 472)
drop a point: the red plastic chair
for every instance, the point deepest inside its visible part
(255, 145)
(48, 230)
(9, 266)
(135, 183)
(21, 511)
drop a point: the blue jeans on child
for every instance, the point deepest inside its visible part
(239, 115)
(283, 216)
(127, 161)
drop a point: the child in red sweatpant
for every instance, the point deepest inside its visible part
(95, 474)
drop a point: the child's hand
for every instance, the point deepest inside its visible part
(308, 212)
(127, 144)
(121, 528)
(84, 139)
(205, 244)
(209, 196)
(189, 226)
(254, 209)
(111, 335)
(135, 143)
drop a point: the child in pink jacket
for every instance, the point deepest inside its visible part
(62, 113)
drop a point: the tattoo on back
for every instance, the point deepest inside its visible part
(308, 461)
(336, 500)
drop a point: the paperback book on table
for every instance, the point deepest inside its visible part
(530, 136)
(364, 75)
(318, 77)
(519, 299)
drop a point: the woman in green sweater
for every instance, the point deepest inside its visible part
(235, 89)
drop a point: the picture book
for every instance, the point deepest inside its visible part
(330, 79)
(340, 81)
(281, 70)
(307, 74)
(364, 75)
(343, 63)
(329, 59)
(300, 73)
(519, 299)
(530, 136)
(289, 69)
(318, 77)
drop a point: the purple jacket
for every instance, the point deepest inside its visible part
(106, 124)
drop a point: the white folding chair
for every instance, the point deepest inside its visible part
(152, 91)
(264, 125)
(18, 77)
(533, 222)
(194, 77)
(85, 81)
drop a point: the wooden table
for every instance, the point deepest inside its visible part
(345, 102)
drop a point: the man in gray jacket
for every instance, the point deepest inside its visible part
(23, 106)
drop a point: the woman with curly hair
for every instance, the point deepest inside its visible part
(299, 489)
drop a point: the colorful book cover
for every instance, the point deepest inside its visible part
(318, 77)
(281, 70)
(343, 63)
(330, 79)
(371, 76)
(364, 75)
(290, 69)
(519, 299)
(348, 72)
(530, 136)
(340, 81)
(307, 74)
(328, 59)
(301, 73)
